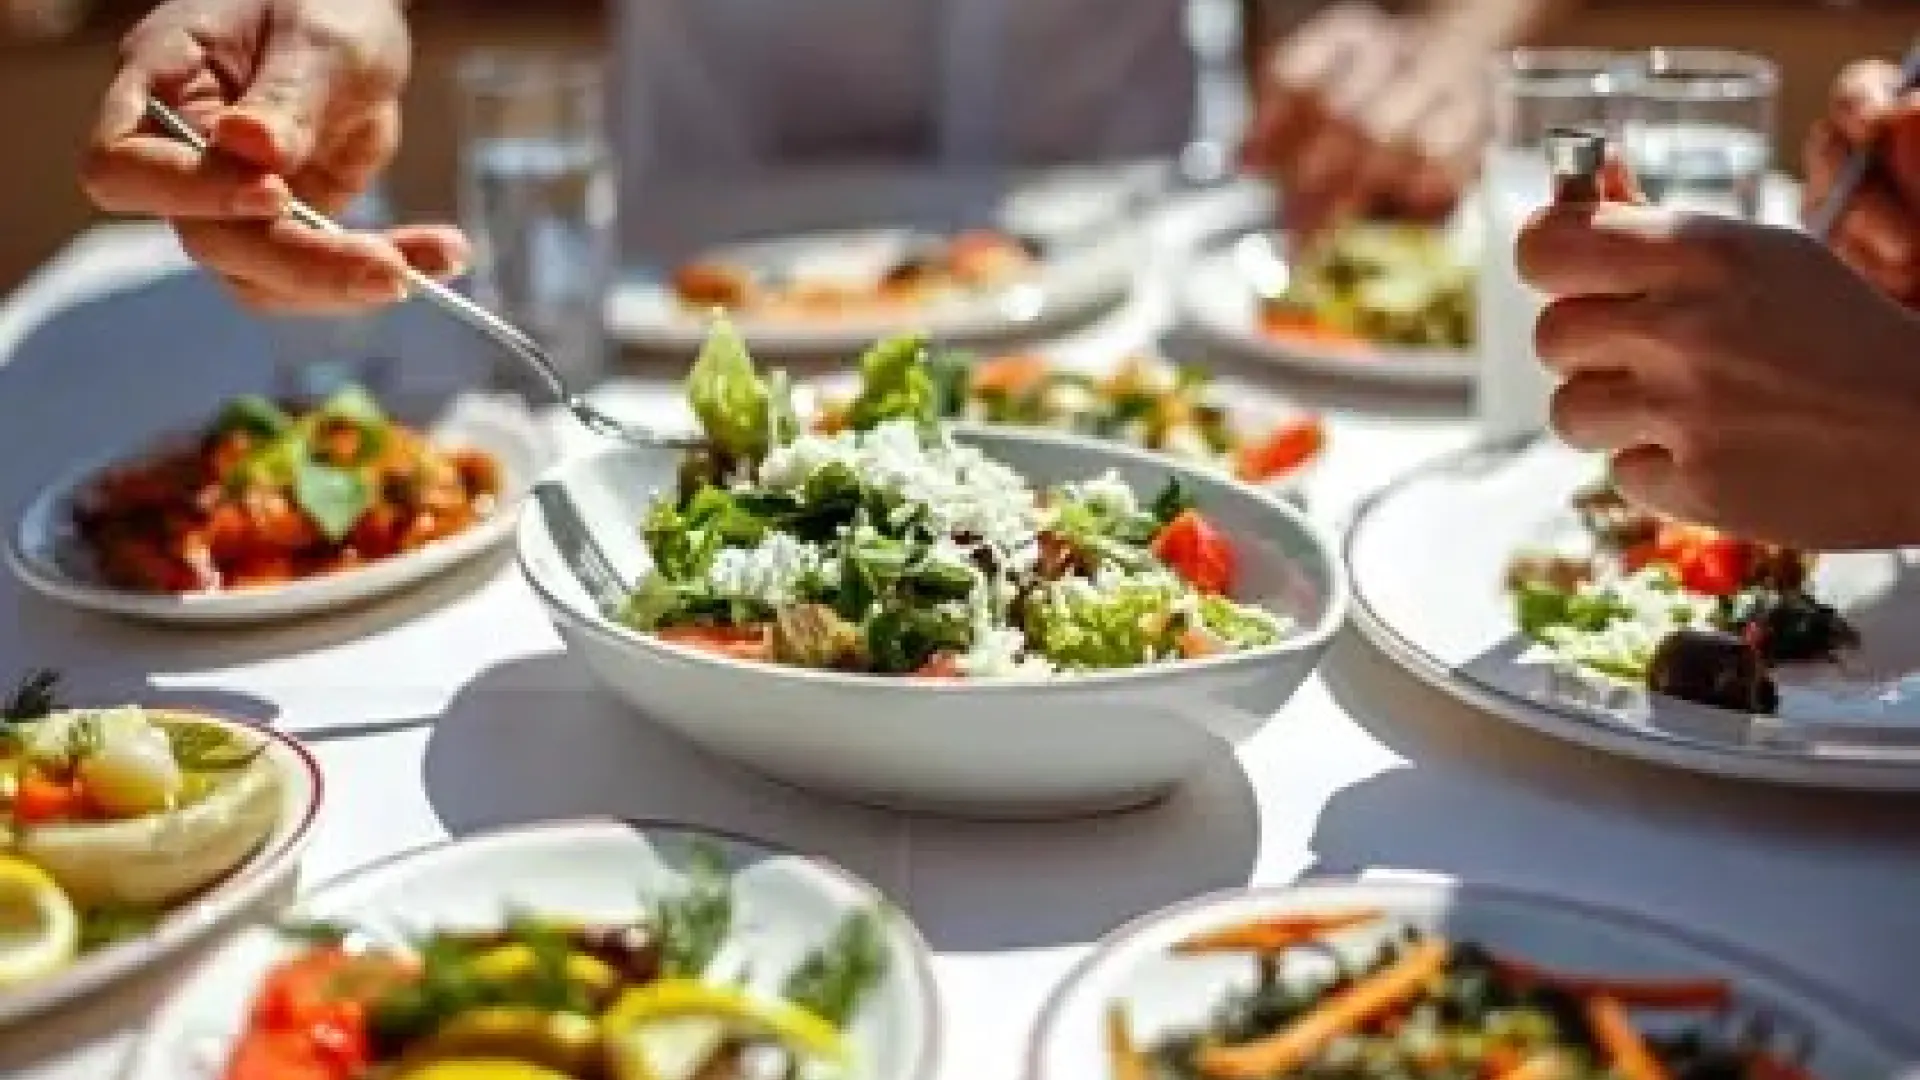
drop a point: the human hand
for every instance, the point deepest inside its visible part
(1360, 112)
(298, 98)
(1879, 234)
(1737, 375)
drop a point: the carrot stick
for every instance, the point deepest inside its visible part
(1639, 993)
(1275, 934)
(1127, 1061)
(1626, 1051)
(1288, 1049)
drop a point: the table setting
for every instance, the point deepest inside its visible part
(1109, 593)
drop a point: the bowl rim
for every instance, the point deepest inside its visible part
(206, 912)
(1306, 641)
(924, 1066)
(1871, 1023)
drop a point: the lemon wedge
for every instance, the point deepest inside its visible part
(668, 1029)
(39, 928)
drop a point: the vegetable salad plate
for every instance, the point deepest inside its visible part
(1513, 578)
(127, 834)
(1384, 303)
(837, 291)
(274, 510)
(1418, 980)
(967, 619)
(585, 950)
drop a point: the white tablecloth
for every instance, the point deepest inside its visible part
(455, 709)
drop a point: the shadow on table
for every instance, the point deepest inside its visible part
(534, 739)
(1483, 800)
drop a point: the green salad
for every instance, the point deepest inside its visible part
(885, 547)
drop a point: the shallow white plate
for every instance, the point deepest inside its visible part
(1165, 992)
(1066, 285)
(1428, 557)
(1218, 298)
(45, 553)
(785, 906)
(252, 883)
(1250, 410)
(991, 748)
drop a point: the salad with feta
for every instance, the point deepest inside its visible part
(1682, 609)
(888, 548)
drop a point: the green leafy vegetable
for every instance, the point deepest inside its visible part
(1124, 626)
(833, 979)
(1238, 625)
(334, 498)
(210, 748)
(354, 407)
(255, 415)
(1172, 501)
(695, 923)
(34, 699)
(733, 404)
(895, 385)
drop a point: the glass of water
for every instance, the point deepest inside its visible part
(1701, 128)
(537, 198)
(1534, 90)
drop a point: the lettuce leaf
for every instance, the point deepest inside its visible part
(1122, 626)
(895, 385)
(732, 402)
(1239, 626)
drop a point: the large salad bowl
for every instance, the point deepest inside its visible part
(1000, 748)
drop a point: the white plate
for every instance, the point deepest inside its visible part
(990, 748)
(1250, 410)
(1428, 557)
(253, 882)
(45, 553)
(1218, 298)
(785, 906)
(1165, 992)
(1064, 286)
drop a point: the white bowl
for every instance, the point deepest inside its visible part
(252, 883)
(996, 748)
(785, 905)
(45, 553)
(1164, 992)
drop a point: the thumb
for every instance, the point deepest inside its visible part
(274, 125)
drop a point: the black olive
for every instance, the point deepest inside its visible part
(1712, 668)
(1787, 627)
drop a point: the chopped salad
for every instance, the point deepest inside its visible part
(1146, 402)
(1418, 1005)
(1682, 609)
(1377, 283)
(888, 548)
(662, 996)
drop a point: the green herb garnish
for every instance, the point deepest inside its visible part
(34, 698)
(333, 497)
(694, 924)
(833, 979)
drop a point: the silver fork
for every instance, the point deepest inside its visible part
(1822, 219)
(503, 333)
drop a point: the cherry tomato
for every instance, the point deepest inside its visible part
(39, 799)
(1290, 446)
(1198, 552)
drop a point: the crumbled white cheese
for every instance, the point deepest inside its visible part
(1106, 494)
(770, 573)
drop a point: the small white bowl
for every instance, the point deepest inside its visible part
(1163, 992)
(45, 553)
(253, 882)
(785, 906)
(1069, 746)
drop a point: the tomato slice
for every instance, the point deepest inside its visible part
(740, 643)
(1198, 552)
(941, 665)
(1285, 449)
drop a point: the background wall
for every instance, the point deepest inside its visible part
(51, 85)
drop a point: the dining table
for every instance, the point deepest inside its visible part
(454, 708)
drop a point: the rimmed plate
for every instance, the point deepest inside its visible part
(1250, 410)
(271, 866)
(1218, 297)
(1428, 556)
(1164, 992)
(785, 905)
(45, 554)
(1067, 284)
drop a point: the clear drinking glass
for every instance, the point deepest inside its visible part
(1533, 90)
(537, 198)
(1700, 129)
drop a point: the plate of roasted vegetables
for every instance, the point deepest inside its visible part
(584, 950)
(1144, 401)
(1517, 578)
(127, 833)
(1436, 980)
(991, 619)
(1385, 301)
(836, 291)
(274, 509)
